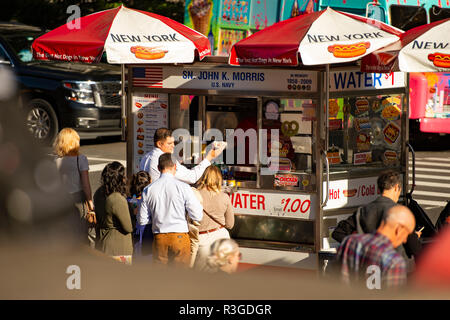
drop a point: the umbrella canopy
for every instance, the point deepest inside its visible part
(323, 37)
(127, 36)
(421, 49)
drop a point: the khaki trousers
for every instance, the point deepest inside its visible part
(172, 248)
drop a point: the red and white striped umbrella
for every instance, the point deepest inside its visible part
(127, 36)
(421, 49)
(323, 37)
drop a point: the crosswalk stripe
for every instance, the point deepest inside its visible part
(434, 159)
(432, 170)
(431, 193)
(100, 166)
(421, 183)
(430, 203)
(428, 176)
(432, 164)
(104, 159)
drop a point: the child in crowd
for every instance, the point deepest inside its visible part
(142, 235)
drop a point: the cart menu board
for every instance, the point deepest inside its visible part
(150, 112)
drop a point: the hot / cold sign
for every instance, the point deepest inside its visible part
(351, 193)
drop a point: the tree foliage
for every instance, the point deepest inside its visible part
(49, 14)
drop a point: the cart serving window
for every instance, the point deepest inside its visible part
(367, 134)
(268, 117)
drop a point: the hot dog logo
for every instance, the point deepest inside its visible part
(349, 50)
(362, 106)
(147, 53)
(390, 158)
(441, 60)
(350, 193)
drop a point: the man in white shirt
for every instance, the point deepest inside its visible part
(164, 204)
(164, 142)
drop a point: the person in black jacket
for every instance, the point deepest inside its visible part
(371, 215)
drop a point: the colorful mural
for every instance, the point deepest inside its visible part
(225, 22)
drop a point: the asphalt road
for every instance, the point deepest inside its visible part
(432, 170)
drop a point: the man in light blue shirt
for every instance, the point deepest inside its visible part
(164, 142)
(164, 204)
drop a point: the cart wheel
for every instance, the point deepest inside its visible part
(41, 121)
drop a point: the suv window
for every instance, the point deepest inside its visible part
(21, 45)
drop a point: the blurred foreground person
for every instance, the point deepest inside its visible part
(164, 205)
(433, 267)
(218, 214)
(74, 170)
(34, 206)
(363, 257)
(114, 226)
(142, 235)
(224, 256)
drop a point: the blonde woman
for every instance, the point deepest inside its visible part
(74, 170)
(224, 256)
(218, 214)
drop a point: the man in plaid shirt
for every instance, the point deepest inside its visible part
(360, 254)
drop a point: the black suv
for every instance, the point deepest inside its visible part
(61, 94)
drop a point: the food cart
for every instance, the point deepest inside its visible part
(322, 164)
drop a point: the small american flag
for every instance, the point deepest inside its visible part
(148, 77)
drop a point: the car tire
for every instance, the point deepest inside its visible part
(41, 121)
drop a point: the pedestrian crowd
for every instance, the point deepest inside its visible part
(169, 214)
(156, 215)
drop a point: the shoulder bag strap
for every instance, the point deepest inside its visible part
(214, 219)
(85, 202)
(358, 220)
(78, 167)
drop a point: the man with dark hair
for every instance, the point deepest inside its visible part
(161, 134)
(371, 215)
(164, 205)
(372, 258)
(389, 185)
(165, 142)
